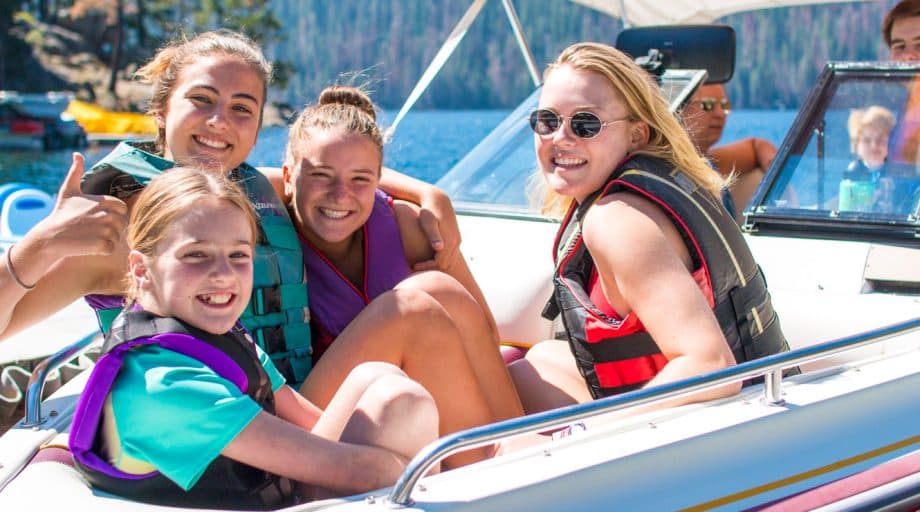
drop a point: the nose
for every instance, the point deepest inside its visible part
(564, 133)
(222, 268)
(337, 189)
(217, 120)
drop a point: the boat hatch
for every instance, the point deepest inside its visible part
(812, 189)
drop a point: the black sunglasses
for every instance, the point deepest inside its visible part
(584, 125)
(709, 104)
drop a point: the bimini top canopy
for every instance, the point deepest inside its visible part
(674, 12)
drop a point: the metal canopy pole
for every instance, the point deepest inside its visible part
(438, 62)
(522, 42)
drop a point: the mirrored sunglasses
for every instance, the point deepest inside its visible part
(584, 125)
(708, 104)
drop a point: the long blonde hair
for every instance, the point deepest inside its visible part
(878, 117)
(168, 196)
(164, 68)
(644, 102)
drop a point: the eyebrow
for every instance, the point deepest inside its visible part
(196, 241)
(215, 91)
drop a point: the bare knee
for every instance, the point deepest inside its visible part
(431, 281)
(402, 396)
(548, 351)
(403, 415)
(450, 294)
(368, 372)
(443, 287)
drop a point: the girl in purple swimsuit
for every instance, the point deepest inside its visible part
(359, 247)
(174, 409)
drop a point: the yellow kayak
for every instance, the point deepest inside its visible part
(97, 120)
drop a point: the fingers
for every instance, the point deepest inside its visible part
(429, 225)
(114, 206)
(71, 185)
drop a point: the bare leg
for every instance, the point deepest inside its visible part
(480, 340)
(378, 405)
(548, 378)
(409, 329)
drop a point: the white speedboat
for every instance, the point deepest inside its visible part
(843, 435)
(33, 121)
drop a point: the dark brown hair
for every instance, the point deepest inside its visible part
(163, 70)
(903, 9)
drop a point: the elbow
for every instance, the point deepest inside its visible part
(727, 361)
(720, 361)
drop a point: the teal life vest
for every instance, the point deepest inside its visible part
(277, 314)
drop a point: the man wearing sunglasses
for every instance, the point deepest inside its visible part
(704, 117)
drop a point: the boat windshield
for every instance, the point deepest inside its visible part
(494, 175)
(852, 156)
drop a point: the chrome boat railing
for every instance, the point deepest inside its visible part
(771, 367)
(33, 399)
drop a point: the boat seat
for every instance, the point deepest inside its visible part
(8, 188)
(22, 209)
(53, 453)
(511, 353)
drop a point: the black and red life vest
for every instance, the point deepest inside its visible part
(616, 356)
(225, 483)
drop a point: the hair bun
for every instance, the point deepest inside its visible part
(344, 95)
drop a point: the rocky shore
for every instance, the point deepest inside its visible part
(42, 57)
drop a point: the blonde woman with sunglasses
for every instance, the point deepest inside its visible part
(647, 260)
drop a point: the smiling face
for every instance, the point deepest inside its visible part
(332, 185)
(573, 166)
(211, 119)
(905, 39)
(705, 127)
(872, 146)
(202, 270)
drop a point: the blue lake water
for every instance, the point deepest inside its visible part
(426, 145)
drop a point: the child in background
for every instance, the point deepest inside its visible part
(869, 131)
(184, 409)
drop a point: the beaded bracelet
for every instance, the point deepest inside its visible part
(9, 267)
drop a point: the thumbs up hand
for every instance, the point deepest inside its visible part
(84, 224)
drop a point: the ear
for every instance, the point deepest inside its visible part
(638, 135)
(160, 119)
(288, 179)
(138, 271)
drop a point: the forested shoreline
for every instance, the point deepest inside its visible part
(386, 45)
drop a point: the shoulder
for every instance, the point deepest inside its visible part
(622, 213)
(628, 230)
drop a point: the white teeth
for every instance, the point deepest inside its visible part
(216, 144)
(333, 214)
(569, 161)
(217, 298)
